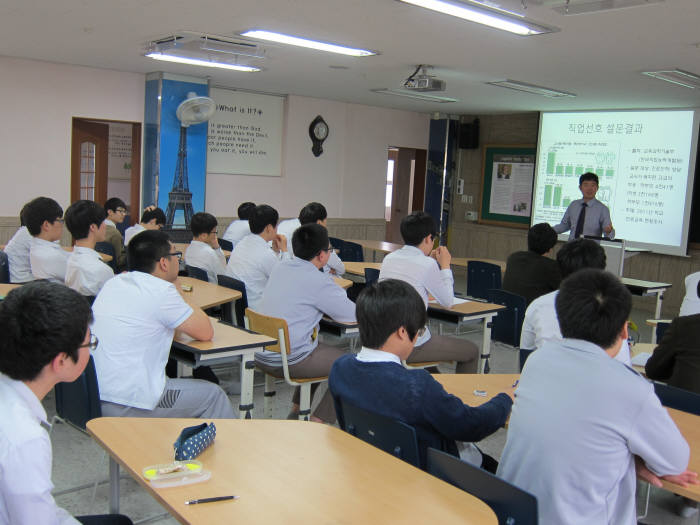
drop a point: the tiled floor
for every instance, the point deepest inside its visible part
(78, 460)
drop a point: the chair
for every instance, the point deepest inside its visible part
(4, 268)
(385, 433)
(226, 245)
(678, 398)
(371, 275)
(351, 252)
(508, 324)
(482, 277)
(107, 249)
(337, 243)
(240, 305)
(512, 506)
(277, 328)
(661, 330)
(196, 273)
(79, 402)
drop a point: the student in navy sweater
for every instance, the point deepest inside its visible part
(391, 316)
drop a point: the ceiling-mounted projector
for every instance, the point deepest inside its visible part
(424, 82)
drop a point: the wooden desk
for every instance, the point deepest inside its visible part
(470, 311)
(228, 343)
(376, 246)
(642, 288)
(5, 289)
(204, 294)
(342, 330)
(182, 247)
(638, 349)
(343, 283)
(358, 268)
(463, 386)
(290, 472)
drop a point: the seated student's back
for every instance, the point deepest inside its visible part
(17, 251)
(43, 217)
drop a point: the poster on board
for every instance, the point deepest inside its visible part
(245, 134)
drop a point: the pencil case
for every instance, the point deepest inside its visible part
(193, 440)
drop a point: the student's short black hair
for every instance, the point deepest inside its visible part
(384, 307)
(698, 290)
(114, 203)
(593, 305)
(261, 216)
(541, 238)
(245, 210)
(145, 249)
(38, 210)
(588, 176)
(579, 254)
(38, 321)
(81, 214)
(308, 241)
(202, 222)
(156, 213)
(22, 221)
(416, 227)
(312, 212)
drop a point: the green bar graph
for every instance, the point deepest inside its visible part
(569, 170)
(609, 173)
(548, 195)
(557, 195)
(566, 202)
(589, 169)
(550, 162)
(579, 170)
(560, 169)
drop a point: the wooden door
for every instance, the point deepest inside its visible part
(89, 150)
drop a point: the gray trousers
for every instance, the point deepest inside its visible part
(181, 398)
(316, 364)
(443, 348)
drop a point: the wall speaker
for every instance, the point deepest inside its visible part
(469, 135)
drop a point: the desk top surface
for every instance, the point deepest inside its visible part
(226, 337)
(380, 246)
(205, 294)
(288, 472)
(463, 386)
(463, 261)
(5, 288)
(358, 268)
(467, 308)
(182, 247)
(628, 281)
(343, 283)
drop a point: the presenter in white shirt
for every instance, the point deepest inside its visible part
(43, 217)
(204, 251)
(428, 271)
(587, 216)
(86, 273)
(152, 219)
(50, 345)
(253, 259)
(240, 227)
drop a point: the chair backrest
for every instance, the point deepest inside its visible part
(107, 248)
(482, 277)
(371, 275)
(351, 252)
(4, 268)
(508, 324)
(79, 402)
(385, 433)
(196, 273)
(269, 326)
(242, 303)
(122, 226)
(336, 243)
(226, 245)
(678, 398)
(661, 330)
(512, 506)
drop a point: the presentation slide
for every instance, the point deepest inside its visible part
(644, 159)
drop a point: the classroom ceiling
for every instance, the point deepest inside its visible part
(598, 56)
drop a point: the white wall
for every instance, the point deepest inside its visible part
(37, 102)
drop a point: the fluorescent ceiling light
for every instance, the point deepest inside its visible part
(676, 76)
(412, 94)
(600, 5)
(303, 42)
(201, 62)
(531, 88)
(481, 14)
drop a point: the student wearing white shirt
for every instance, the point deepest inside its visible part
(312, 213)
(204, 251)
(428, 271)
(239, 228)
(691, 299)
(49, 346)
(17, 251)
(136, 315)
(46, 257)
(300, 294)
(116, 211)
(252, 260)
(541, 321)
(581, 420)
(152, 219)
(86, 273)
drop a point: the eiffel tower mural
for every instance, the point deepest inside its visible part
(192, 110)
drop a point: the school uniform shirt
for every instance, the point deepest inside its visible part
(298, 293)
(411, 265)
(135, 318)
(541, 324)
(597, 217)
(236, 231)
(48, 260)
(17, 251)
(85, 271)
(252, 261)
(203, 256)
(691, 301)
(288, 227)
(25, 460)
(131, 231)
(578, 419)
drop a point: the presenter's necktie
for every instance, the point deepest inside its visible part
(581, 220)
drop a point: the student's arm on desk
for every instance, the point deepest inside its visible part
(198, 326)
(333, 301)
(683, 479)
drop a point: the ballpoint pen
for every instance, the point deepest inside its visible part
(209, 500)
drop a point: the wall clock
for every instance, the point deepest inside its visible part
(318, 131)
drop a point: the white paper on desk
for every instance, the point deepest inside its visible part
(455, 300)
(641, 359)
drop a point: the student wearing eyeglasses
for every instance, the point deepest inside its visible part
(116, 211)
